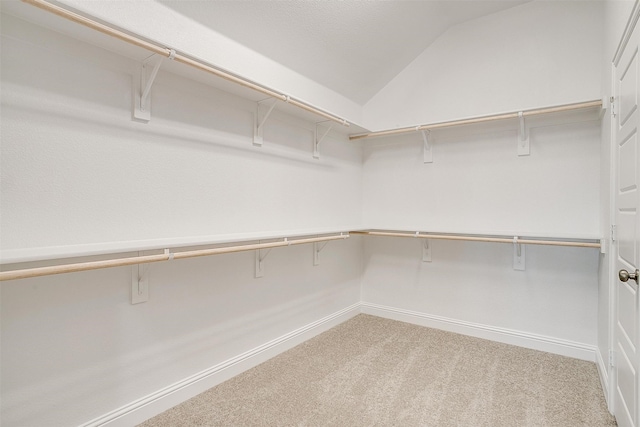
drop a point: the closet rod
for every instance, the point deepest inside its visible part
(170, 53)
(480, 119)
(482, 239)
(119, 262)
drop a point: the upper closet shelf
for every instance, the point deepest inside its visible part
(590, 110)
(168, 58)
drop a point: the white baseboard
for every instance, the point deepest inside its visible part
(603, 373)
(507, 336)
(158, 402)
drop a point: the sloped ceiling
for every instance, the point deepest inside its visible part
(352, 47)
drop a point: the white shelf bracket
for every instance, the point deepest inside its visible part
(426, 250)
(258, 124)
(260, 257)
(261, 254)
(518, 255)
(143, 84)
(426, 150)
(139, 283)
(317, 141)
(317, 247)
(523, 137)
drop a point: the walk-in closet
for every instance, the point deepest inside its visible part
(319, 213)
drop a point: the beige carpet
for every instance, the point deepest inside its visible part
(371, 371)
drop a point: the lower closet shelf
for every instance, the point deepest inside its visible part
(166, 256)
(549, 241)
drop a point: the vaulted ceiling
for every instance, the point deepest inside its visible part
(352, 47)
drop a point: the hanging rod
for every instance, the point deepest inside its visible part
(480, 119)
(475, 238)
(161, 50)
(167, 256)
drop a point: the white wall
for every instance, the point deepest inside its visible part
(474, 284)
(74, 348)
(478, 183)
(66, 131)
(77, 170)
(157, 22)
(536, 54)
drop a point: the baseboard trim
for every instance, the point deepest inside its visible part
(507, 336)
(603, 373)
(155, 403)
(161, 400)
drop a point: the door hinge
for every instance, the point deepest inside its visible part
(612, 100)
(614, 233)
(612, 358)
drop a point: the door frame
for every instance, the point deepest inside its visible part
(611, 281)
(613, 249)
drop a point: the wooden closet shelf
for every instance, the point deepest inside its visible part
(166, 256)
(595, 104)
(548, 241)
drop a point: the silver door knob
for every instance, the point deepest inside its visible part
(624, 275)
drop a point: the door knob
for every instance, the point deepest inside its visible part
(624, 275)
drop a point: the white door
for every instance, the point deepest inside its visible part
(626, 314)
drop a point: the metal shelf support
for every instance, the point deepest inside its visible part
(518, 255)
(261, 254)
(143, 83)
(426, 251)
(317, 141)
(317, 247)
(427, 148)
(260, 257)
(258, 124)
(523, 136)
(139, 283)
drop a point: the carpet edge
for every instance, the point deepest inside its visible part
(603, 374)
(155, 403)
(507, 336)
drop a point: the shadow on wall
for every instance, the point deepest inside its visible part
(77, 338)
(181, 109)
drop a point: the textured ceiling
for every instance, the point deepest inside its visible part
(352, 47)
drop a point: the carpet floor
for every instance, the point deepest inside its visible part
(371, 371)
